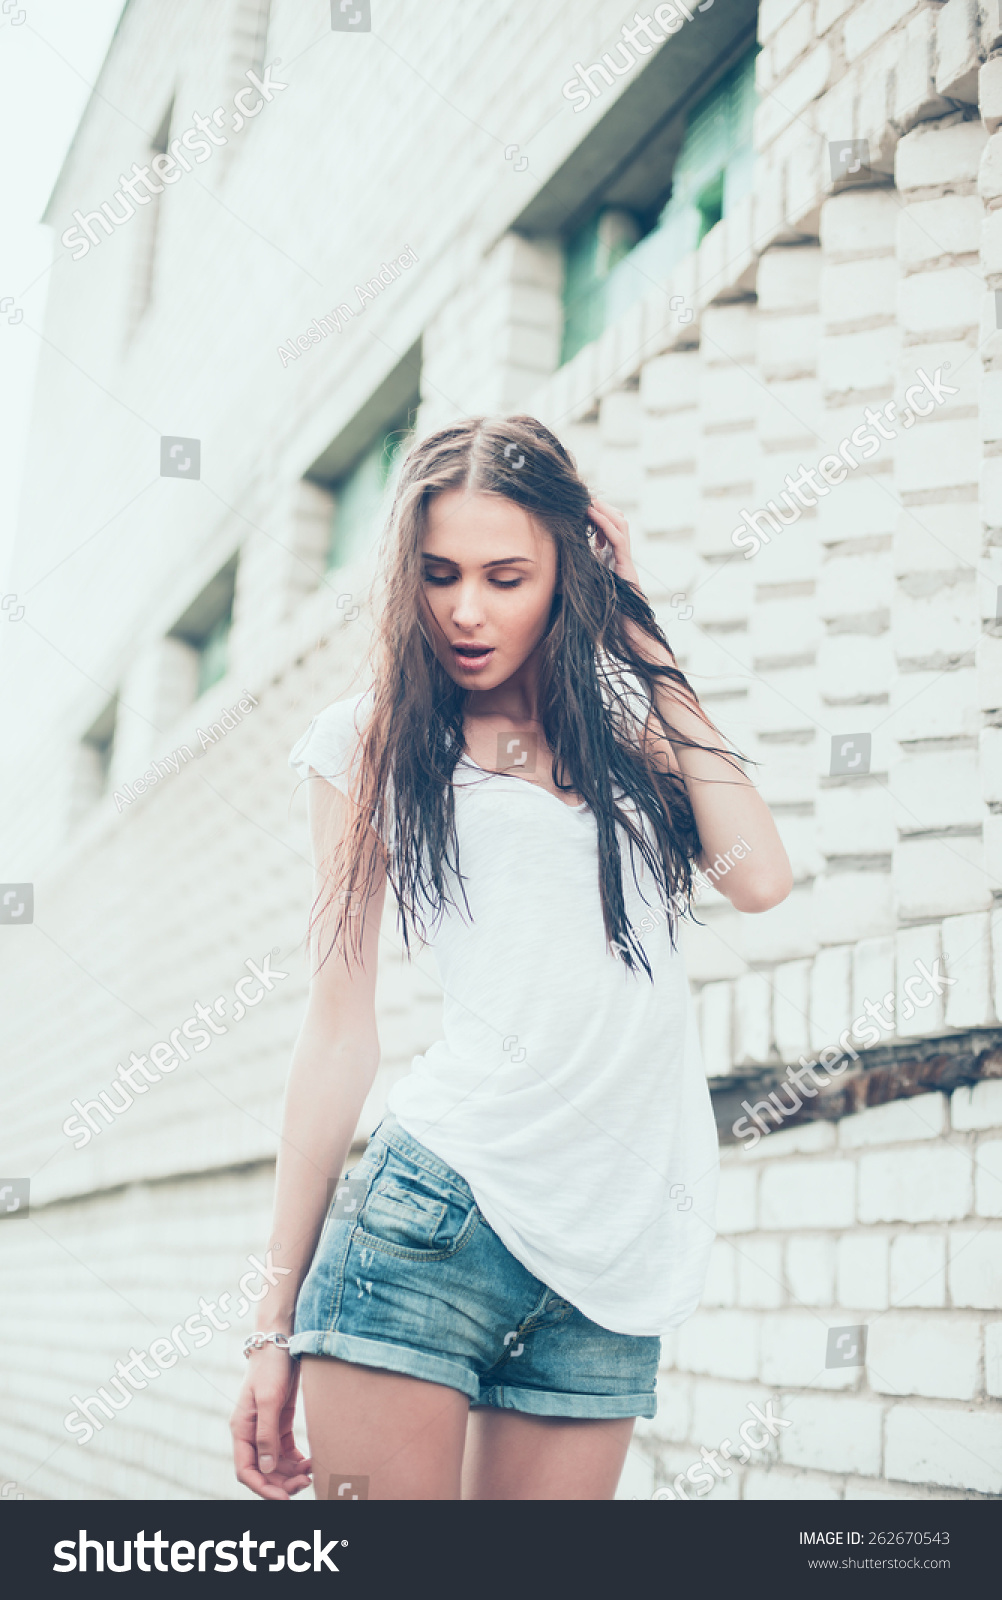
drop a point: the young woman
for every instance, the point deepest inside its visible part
(477, 1312)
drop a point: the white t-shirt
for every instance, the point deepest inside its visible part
(568, 1091)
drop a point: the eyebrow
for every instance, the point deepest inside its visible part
(501, 561)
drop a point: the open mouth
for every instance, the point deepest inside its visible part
(472, 656)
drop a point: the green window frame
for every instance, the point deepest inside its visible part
(362, 493)
(611, 261)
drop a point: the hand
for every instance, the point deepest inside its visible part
(264, 1451)
(612, 543)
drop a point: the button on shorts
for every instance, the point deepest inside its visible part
(416, 1281)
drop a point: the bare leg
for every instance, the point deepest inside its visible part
(513, 1456)
(403, 1434)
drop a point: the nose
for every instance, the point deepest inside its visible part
(467, 608)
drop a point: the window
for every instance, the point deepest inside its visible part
(614, 258)
(98, 747)
(361, 495)
(253, 21)
(205, 627)
(148, 230)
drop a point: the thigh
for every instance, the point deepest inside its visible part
(514, 1456)
(403, 1435)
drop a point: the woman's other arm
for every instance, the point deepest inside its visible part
(333, 1067)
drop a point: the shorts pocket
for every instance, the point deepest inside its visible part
(402, 1215)
(405, 1214)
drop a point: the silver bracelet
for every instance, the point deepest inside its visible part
(257, 1341)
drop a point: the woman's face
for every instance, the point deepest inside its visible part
(489, 575)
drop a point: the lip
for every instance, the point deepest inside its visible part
(471, 663)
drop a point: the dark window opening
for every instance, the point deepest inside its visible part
(205, 626)
(99, 744)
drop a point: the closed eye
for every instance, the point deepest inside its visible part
(499, 583)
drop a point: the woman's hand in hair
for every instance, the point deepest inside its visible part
(612, 543)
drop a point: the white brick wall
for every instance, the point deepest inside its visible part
(813, 303)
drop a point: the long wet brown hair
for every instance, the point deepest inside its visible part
(414, 735)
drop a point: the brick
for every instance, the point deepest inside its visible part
(939, 456)
(803, 1139)
(958, 49)
(916, 98)
(810, 1270)
(918, 1269)
(858, 361)
(979, 1106)
(931, 880)
(859, 222)
(929, 302)
(928, 229)
(760, 1273)
(788, 280)
(990, 94)
(673, 1420)
(752, 1006)
(988, 1179)
(855, 819)
(818, 1194)
(833, 1434)
(793, 1343)
(993, 1359)
(831, 991)
(775, 1485)
(854, 666)
(855, 585)
(935, 538)
(934, 155)
(935, 705)
(716, 1010)
(922, 1116)
(873, 980)
(967, 958)
(720, 1288)
(737, 1199)
(772, 14)
(829, 12)
(805, 83)
(928, 1184)
(862, 1270)
(952, 1447)
(723, 1344)
(855, 290)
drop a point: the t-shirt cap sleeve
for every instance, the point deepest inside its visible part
(330, 743)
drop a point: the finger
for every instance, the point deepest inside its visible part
(244, 1456)
(609, 514)
(267, 1437)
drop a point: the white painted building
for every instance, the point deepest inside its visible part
(703, 296)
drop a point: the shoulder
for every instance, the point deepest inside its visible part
(330, 743)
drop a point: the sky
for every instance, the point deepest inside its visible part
(50, 54)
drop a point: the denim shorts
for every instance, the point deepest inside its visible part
(413, 1279)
